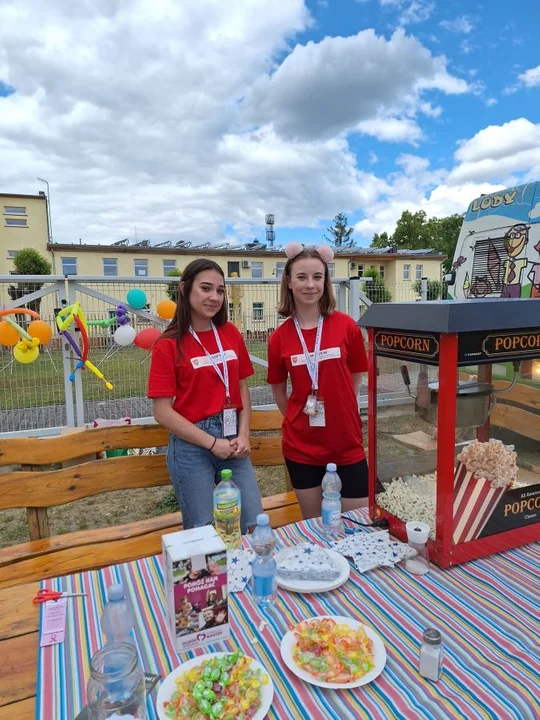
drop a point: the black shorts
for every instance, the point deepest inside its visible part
(354, 478)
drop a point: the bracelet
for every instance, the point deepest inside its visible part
(212, 445)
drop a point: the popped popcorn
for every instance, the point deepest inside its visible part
(492, 461)
(412, 498)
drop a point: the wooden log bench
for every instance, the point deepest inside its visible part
(37, 489)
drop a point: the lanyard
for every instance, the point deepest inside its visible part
(223, 376)
(312, 364)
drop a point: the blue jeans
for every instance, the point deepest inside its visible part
(194, 472)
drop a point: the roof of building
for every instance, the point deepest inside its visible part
(40, 196)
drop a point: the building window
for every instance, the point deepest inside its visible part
(16, 222)
(141, 268)
(231, 311)
(280, 267)
(232, 268)
(110, 267)
(168, 266)
(419, 272)
(258, 311)
(13, 210)
(360, 271)
(331, 269)
(406, 272)
(256, 270)
(12, 254)
(69, 265)
(381, 270)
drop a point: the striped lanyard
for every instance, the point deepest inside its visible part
(223, 376)
(312, 363)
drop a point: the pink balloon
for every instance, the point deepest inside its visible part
(146, 338)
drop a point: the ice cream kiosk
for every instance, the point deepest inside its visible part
(454, 422)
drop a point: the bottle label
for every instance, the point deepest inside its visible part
(327, 516)
(335, 517)
(263, 586)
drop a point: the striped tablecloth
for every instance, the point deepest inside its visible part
(487, 611)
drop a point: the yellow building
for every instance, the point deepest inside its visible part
(24, 223)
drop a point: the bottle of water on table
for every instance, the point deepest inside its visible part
(331, 502)
(227, 511)
(264, 579)
(117, 619)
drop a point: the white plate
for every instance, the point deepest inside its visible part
(168, 686)
(289, 642)
(315, 586)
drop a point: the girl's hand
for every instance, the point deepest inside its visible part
(222, 449)
(243, 448)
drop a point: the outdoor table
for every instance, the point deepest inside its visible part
(486, 610)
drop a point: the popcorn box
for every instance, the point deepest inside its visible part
(195, 573)
(475, 500)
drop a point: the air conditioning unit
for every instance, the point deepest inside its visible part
(353, 265)
(246, 264)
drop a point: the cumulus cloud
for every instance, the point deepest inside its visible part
(531, 77)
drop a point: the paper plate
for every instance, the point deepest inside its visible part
(315, 586)
(289, 641)
(168, 686)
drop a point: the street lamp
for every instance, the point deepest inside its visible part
(48, 207)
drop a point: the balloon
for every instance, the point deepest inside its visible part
(8, 334)
(40, 330)
(166, 309)
(25, 354)
(136, 298)
(146, 338)
(124, 335)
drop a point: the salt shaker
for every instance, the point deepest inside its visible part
(417, 536)
(431, 655)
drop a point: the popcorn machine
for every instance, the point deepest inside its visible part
(454, 422)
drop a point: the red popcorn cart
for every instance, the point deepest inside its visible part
(454, 422)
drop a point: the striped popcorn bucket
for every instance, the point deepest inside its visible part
(474, 502)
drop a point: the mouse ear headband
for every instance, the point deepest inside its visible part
(295, 248)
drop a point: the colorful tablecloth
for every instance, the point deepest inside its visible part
(487, 612)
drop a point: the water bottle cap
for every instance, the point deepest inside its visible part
(226, 474)
(331, 467)
(116, 592)
(263, 519)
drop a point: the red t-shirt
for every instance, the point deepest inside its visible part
(340, 441)
(192, 379)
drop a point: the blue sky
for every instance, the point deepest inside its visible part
(192, 120)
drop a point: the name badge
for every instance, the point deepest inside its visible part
(230, 422)
(318, 419)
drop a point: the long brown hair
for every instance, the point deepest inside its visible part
(181, 321)
(327, 303)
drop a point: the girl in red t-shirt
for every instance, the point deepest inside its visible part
(198, 384)
(321, 351)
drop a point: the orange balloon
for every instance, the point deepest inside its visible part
(166, 309)
(39, 329)
(8, 335)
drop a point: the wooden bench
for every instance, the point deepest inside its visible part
(39, 489)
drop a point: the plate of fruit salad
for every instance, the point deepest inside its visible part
(216, 686)
(334, 651)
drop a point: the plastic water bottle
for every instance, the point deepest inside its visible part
(117, 619)
(264, 579)
(227, 511)
(331, 503)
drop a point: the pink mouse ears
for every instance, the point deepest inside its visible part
(295, 248)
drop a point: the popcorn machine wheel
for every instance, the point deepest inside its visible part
(471, 370)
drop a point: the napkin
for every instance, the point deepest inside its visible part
(373, 549)
(306, 561)
(239, 569)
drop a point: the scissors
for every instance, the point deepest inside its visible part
(44, 595)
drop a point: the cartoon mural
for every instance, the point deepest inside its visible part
(498, 250)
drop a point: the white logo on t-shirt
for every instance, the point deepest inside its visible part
(333, 353)
(204, 360)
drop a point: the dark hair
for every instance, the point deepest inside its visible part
(181, 321)
(327, 303)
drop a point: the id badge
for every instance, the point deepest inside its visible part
(310, 408)
(230, 422)
(318, 419)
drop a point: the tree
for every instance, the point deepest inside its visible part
(411, 231)
(376, 290)
(340, 234)
(445, 233)
(434, 289)
(29, 262)
(172, 287)
(382, 240)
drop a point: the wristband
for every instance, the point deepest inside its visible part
(212, 445)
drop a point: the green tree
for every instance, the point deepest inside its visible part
(172, 287)
(411, 231)
(376, 290)
(340, 234)
(382, 240)
(29, 261)
(434, 289)
(444, 233)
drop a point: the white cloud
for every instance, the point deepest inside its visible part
(373, 158)
(535, 211)
(335, 85)
(531, 77)
(462, 25)
(392, 129)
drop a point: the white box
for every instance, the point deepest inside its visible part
(196, 594)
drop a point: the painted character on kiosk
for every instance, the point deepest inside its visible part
(515, 241)
(534, 275)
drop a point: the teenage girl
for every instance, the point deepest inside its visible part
(321, 351)
(198, 384)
